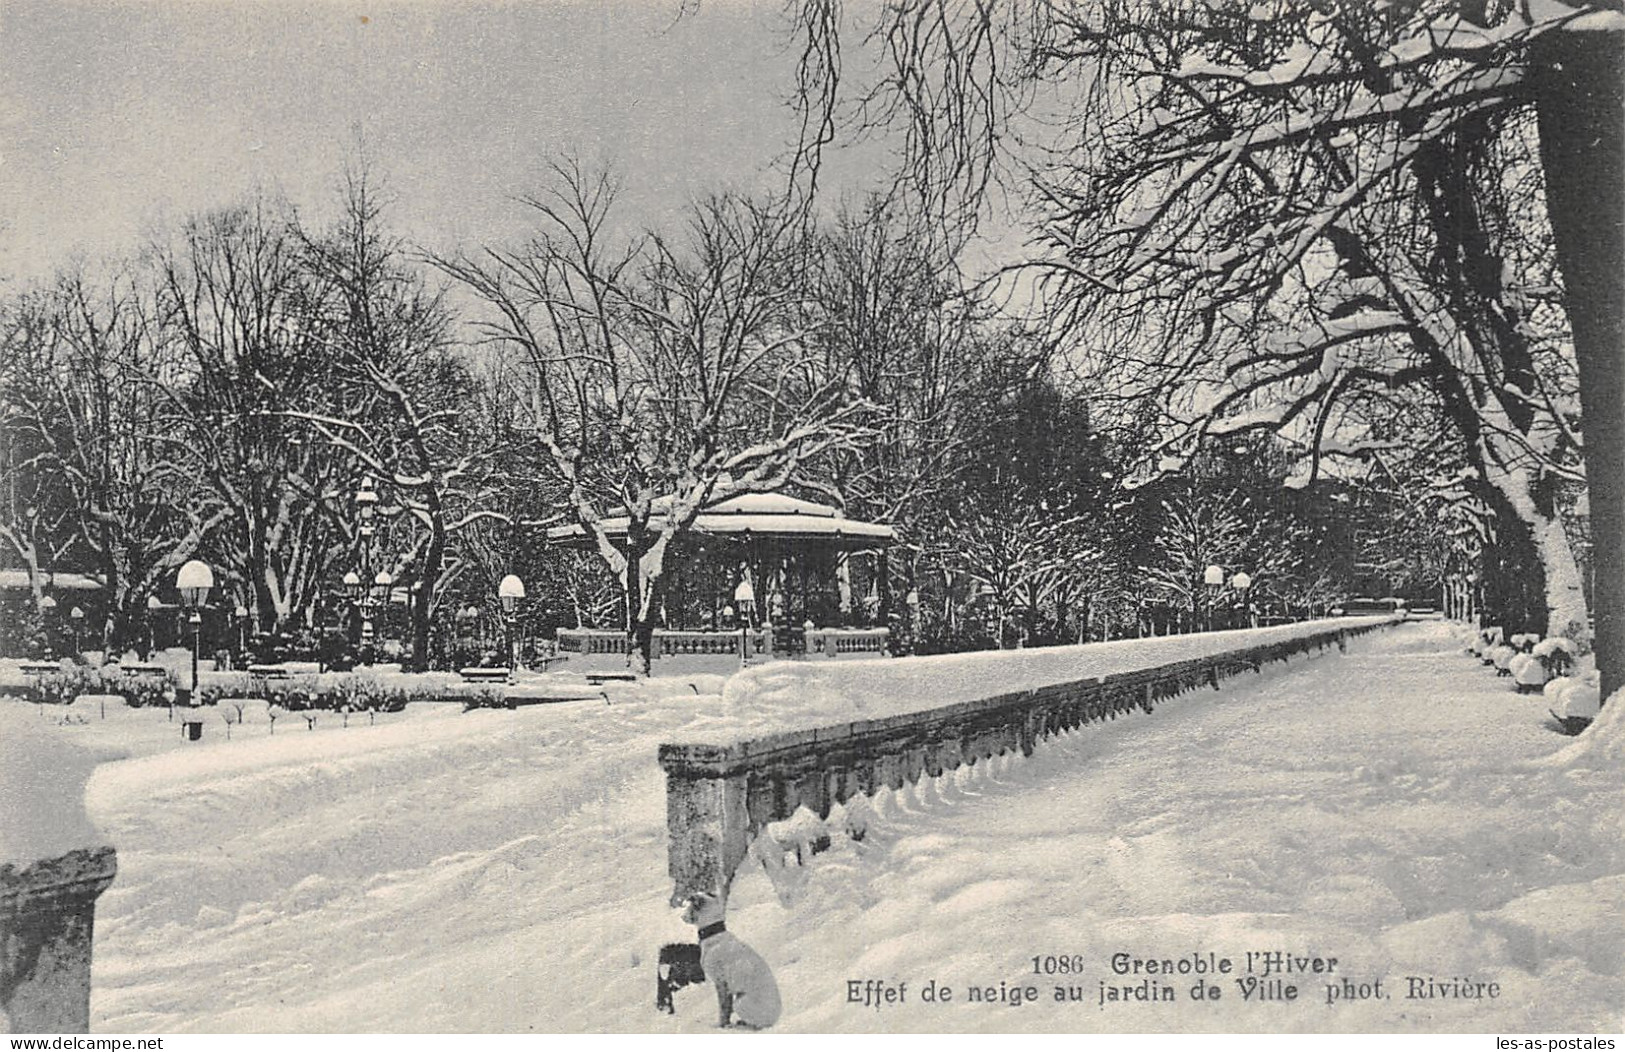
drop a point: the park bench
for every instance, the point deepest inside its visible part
(598, 679)
(142, 671)
(39, 668)
(270, 672)
(485, 675)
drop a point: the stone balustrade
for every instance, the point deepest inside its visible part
(719, 797)
(667, 642)
(833, 642)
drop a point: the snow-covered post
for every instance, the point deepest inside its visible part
(52, 868)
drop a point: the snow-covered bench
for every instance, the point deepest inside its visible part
(140, 670)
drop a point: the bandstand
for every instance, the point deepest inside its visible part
(759, 574)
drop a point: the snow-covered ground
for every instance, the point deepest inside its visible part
(1399, 808)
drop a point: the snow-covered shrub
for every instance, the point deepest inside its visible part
(1576, 702)
(1488, 640)
(60, 688)
(1523, 642)
(486, 698)
(355, 691)
(1501, 657)
(1556, 655)
(1527, 672)
(139, 691)
(360, 692)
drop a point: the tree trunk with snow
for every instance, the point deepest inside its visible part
(1581, 107)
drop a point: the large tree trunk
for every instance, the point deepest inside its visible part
(429, 573)
(1566, 611)
(1580, 84)
(1514, 572)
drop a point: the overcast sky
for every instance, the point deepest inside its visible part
(119, 119)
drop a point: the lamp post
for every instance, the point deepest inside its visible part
(154, 604)
(193, 582)
(911, 602)
(354, 591)
(470, 618)
(1212, 580)
(745, 600)
(77, 617)
(510, 590)
(366, 506)
(382, 584)
(241, 614)
(1241, 582)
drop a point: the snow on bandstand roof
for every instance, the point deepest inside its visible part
(760, 515)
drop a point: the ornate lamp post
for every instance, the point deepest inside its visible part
(241, 614)
(510, 590)
(77, 617)
(193, 583)
(1241, 582)
(1212, 581)
(366, 506)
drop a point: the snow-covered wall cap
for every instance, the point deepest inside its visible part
(42, 789)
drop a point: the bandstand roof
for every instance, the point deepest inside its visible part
(760, 515)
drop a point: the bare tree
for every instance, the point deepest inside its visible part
(665, 373)
(95, 440)
(243, 314)
(911, 341)
(1200, 155)
(408, 406)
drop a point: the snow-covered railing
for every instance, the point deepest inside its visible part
(667, 642)
(672, 643)
(720, 796)
(831, 642)
(592, 641)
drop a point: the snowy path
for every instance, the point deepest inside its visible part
(1398, 808)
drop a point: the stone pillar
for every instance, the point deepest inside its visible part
(707, 818)
(47, 915)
